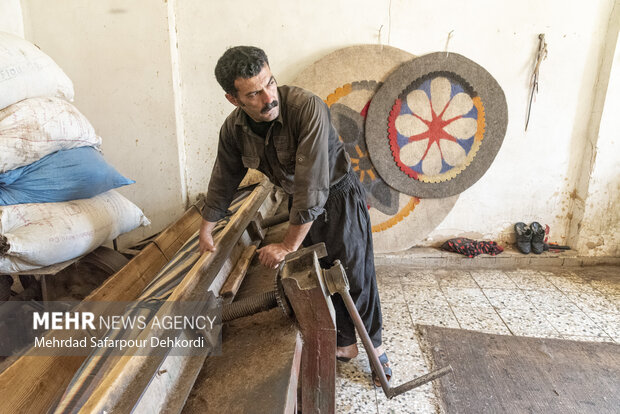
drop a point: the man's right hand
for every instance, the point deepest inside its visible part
(205, 237)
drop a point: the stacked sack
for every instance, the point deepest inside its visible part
(56, 197)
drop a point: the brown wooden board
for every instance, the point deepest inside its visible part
(512, 374)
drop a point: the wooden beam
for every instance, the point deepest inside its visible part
(236, 276)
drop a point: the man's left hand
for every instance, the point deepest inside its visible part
(272, 255)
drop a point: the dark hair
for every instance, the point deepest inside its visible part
(239, 62)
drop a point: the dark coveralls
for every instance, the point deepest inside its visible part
(300, 151)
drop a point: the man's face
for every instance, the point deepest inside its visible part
(257, 96)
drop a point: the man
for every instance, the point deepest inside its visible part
(286, 133)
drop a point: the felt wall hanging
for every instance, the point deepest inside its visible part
(347, 80)
(435, 125)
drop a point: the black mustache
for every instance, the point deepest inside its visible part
(269, 107)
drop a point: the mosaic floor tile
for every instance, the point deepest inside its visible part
(483, 319)
(419, 400)
(492, 279)
(545, 300)
(528, 279)
(403, 352)
(391, 293)
(467, 296)
(440, 315)
(577, 304)
(456, 279)
(608, 322)
(508, 298)
(396, 317)
(592, 302)
(569, 284)
(420, 278)
(526, 322)
(573, 323)
(424, 295)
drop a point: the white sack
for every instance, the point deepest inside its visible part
(36, 127)
(40, 235)
(26, 72)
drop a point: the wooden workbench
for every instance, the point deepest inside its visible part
(259, 366)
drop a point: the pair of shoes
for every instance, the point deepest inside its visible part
(530, 238)
(385, 363)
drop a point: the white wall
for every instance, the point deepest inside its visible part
(118, 54)
(534, 173)
(11, 19)
(600, 228)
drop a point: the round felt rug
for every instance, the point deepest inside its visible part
(436, 124)
(347, 80)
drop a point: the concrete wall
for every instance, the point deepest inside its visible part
(159, 108)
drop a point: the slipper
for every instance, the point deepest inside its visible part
(386, 369)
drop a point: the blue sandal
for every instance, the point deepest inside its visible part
(385, 363)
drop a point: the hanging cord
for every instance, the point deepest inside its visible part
(448, 41)
(389, 26)
(541, 55)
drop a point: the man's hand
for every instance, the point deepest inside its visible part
(272, 254)
(205, 237)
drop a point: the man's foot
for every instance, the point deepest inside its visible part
(385, 364)
(345, 353)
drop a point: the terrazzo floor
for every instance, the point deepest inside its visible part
(580, 304)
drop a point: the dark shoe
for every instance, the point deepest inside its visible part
(343, 359)
(538, 237)
(386, 369)
(524, 237)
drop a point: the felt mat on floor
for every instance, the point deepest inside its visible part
(514, 374)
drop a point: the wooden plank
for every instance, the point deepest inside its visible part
(33, 383)
(123, 385)
(236, 276)
(168, 239)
